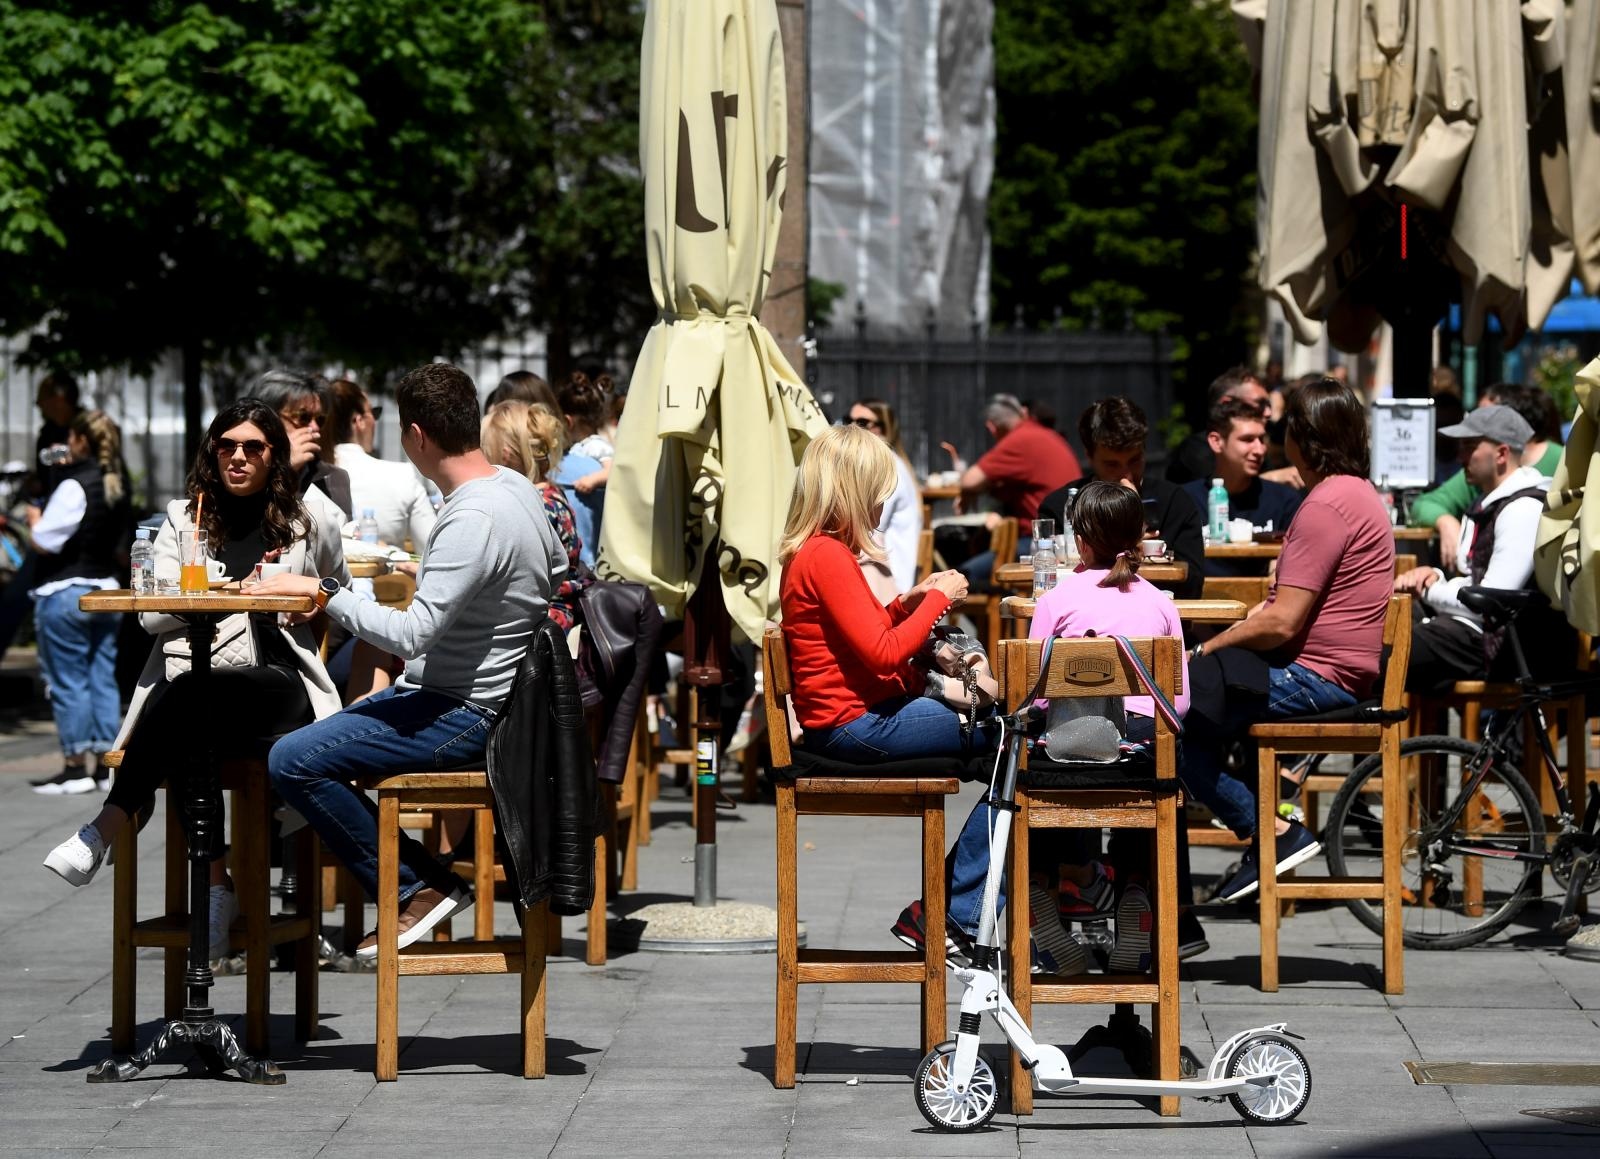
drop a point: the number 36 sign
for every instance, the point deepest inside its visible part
(1402, 442)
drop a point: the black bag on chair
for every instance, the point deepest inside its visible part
(1229, 676)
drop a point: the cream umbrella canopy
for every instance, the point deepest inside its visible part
(717, 418)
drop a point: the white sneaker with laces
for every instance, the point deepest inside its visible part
(224, 908)
(78, 858)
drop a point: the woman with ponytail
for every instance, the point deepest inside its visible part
(1105, 596)
(82, 539)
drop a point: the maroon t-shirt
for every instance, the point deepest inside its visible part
(1028, 463)
(1341, 546)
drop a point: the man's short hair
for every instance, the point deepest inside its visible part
(1116, 423)
(1003, 410)
(1536, 407)
(281, 387)
(60, 384)
(1329, 424)
(1229, 409)
(1229, 381)
(442, 400)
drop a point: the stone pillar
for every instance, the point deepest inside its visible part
(785, 310)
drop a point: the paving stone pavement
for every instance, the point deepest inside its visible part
(671, 1054)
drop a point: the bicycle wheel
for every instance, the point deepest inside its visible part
(1452, 899)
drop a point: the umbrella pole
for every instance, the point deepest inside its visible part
(706, 635)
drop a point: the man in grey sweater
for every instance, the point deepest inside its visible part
(484, 583)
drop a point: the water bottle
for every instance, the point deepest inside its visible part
(1217, 512)
(367, 529)
(1388, 501)
(1044, 565)
(142, 556)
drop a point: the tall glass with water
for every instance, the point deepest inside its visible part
(1044, 556)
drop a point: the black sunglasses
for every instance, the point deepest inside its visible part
(866, 423)
(300, 418)
(225, 448)
(377, 413)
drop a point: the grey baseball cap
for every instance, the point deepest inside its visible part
(1500, 423)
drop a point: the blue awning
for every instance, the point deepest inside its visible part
(1574, 314)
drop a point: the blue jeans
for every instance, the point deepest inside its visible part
(906, 728)
(1291, 691)
(980, 567)
(78, 658)
(393, 731)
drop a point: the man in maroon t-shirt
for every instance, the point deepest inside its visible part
(1026, 463)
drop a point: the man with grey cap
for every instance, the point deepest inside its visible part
(1448, 642)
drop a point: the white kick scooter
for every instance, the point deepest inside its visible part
(1260, 1071)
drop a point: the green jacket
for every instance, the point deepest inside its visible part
(1455, 494)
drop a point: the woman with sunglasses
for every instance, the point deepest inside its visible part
(244, 487)
(900, 527)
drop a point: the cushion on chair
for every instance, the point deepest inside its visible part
(1362, 712)
(810, 764)
(1131, 772)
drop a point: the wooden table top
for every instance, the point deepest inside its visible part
(1189, 611)
(1020, 575)
(223, 603)
(935, 494)
(1420, 534)
(1243, 550)
(368, 568)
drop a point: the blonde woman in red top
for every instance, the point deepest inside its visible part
(856, 693)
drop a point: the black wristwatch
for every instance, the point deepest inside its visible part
(326, 590)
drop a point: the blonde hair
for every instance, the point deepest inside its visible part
(105, 445)
(531, 432)
(844, 476)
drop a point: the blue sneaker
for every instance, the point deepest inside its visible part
(1295, 847)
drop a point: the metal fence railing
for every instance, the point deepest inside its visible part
(938, 383)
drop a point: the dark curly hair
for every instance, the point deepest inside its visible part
(586, 400)
(1114, 422)
(285, 518)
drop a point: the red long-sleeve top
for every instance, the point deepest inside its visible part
(847, 652)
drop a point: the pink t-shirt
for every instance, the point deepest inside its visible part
(1340, 546)
(1078, 605)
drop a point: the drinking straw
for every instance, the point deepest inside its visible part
(199, 507)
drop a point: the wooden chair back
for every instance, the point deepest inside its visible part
(1249, 590)
(776, 686)
(1003, 542)
(1396, 652)
(924, 554)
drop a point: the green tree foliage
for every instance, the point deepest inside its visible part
(1125, 171)
(372, 181)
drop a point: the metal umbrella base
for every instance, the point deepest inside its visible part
(213, 1042)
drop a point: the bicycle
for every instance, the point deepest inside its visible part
(1476, 845)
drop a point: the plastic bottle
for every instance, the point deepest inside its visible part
(1069, 541)
(1217, 512)
(142, 556)
(1388, 501)
(1044, 565)
(368, 527)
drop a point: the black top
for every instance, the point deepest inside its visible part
(242, 545)
(1192, 460)
(1166, 509)
(1260, 501)
(45, 478)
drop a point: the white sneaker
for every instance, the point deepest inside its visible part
(224, 908)
(68, 782)
(78, 858)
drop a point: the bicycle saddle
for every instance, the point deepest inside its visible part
(1501, 604)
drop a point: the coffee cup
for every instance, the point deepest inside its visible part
(216, 570)
(1153, 548)
(267, 570)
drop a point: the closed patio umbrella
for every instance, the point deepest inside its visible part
(1452, 109)
(716, 419)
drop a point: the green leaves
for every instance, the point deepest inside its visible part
(1125, 168)
(376, 182)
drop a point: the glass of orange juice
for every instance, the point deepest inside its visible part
(193, 554)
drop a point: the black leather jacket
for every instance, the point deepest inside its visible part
(621, 628)
(545, 794)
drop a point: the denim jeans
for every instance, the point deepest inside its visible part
(906, 728)
(393, 731)
(978, 568)
(1291, 691)
(78, 658)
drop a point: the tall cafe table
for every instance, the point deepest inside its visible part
(201, 811)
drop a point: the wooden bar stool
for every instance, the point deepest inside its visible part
(1146, 798)
(523, 955)
(809, 786)
(249, 861)
(1375, 726)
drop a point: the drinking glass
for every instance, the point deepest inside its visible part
(1043, 529)
(193, 556)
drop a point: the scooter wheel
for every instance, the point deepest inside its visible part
(947, 1108)
(1286, 1096)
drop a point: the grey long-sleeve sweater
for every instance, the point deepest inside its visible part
(485, 581)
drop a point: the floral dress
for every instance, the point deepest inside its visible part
(564, 600)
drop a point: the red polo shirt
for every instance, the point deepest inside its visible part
(1028, 463)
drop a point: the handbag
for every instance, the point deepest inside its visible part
(233, 647)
